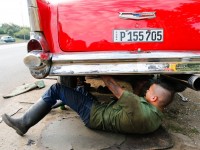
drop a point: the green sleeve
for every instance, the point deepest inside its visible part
(130, 102)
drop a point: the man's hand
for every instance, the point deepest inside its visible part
(113, 86)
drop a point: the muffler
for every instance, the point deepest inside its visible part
(188, 80)
(194, 82)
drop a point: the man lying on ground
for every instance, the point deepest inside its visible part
(128, 114)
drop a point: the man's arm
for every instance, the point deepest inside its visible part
(113, 86)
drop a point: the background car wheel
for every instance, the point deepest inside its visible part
(69, 81)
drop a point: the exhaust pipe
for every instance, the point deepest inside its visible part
(194, 82)
(188, 80)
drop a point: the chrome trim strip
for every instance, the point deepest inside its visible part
(32, 3)
(33, 16)
(125, 68)
(98, 63)
(137, 16)
(125, 56)
(94, 63)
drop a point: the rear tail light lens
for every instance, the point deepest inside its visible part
(33, 45)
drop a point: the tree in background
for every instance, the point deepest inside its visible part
(24, 33)
(15, 30)
(1, 31)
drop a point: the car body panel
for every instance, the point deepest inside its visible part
(88, 25)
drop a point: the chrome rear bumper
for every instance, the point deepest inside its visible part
(115, 63)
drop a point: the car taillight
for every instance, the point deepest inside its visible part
(37, 42)
(33, 45)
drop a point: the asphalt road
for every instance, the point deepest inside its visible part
(13, 71)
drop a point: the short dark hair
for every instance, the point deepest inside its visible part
(167, 85)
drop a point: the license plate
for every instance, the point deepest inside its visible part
(138, 35)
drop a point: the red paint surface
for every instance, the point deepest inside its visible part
(82, 25)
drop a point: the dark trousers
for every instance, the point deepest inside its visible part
(77, 99)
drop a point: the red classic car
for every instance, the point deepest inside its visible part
(71, 38)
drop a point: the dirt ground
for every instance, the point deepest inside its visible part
(182, 122)
(182, 119)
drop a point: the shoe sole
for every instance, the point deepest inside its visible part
(6, 120)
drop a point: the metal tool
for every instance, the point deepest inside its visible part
(183, 98)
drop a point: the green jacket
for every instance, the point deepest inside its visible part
(130, 114)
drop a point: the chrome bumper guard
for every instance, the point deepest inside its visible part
(39, 63)
(115, 63)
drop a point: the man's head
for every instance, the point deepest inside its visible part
(160, 94)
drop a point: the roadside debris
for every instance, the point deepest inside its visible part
(25, 88)
(183, 98)
(26, 102)
(30, 142)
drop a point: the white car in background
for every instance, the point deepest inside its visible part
(7, 39)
